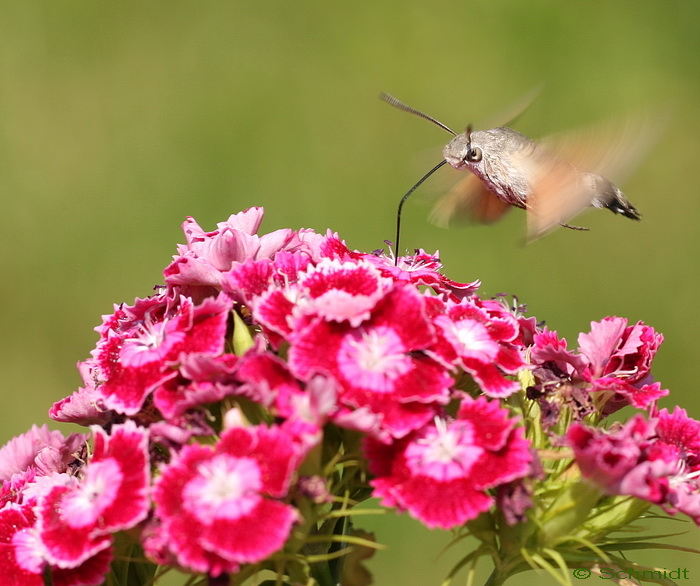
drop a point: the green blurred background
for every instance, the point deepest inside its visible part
(118, 120)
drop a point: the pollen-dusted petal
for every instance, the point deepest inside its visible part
(373, 359)
(225, 488)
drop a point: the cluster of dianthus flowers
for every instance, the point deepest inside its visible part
(239, 415)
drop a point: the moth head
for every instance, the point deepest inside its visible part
(462, 152)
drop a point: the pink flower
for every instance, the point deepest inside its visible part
(203, 378)
(679, 440)
(22, 555)
(608, 457)
(613, 358)
(46, 452)
(198, 269)
(340, 292)
(619, 359)
(141, 345)
(333, 290)
(382, 364)
(76, 520)
(218, 505)
(441, 474)
(551, 353)
(268, 381)
(207, 254)
(479, 336)
(656, 460)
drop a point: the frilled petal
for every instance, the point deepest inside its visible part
(440, 474)
(76, 520)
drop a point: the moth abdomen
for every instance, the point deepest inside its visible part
(613, 199)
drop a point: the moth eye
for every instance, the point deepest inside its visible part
(474, 155)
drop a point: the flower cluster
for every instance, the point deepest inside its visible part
(274, 381)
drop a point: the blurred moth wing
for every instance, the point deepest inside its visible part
(612, 149)
(559, 192)
(568, 172)
(468, 201)
(514, 110)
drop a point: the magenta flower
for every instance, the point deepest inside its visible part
(441, 474)
(140, 346)
(619, 359)
(333, 290)
(607, 458)
(22, 555)
(341, 292)
(268, 381)
(613, 358)
(679, 441)
(76, 520)
(550, 353)
(656, 460)
(197, 269)
(202, 378)
(382, 365)
(481, 338)
(218, 506)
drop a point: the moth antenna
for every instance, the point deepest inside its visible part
(406, 108)
(403, 199)
(468, 133)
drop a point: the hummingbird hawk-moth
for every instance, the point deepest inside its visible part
(551, 180)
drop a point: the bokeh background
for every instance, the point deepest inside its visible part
(119, 120)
